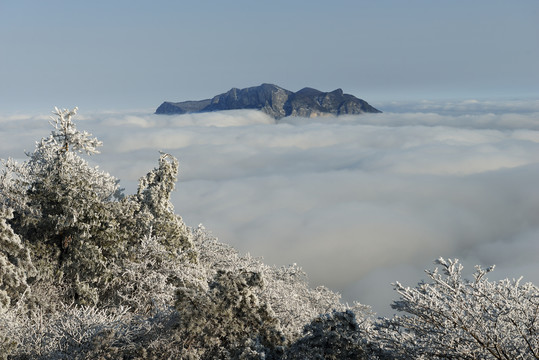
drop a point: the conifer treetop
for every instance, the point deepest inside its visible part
(66, 135)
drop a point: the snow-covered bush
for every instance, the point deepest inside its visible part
(74, 217)
(228, 321)
(15, 263)
(455, 318)
(150, 275)
(153, 195)
(78, 332)
(333, 336)
(286, 288)
(70, 214)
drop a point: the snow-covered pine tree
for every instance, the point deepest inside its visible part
(332, 336)
(72, 215)
(156, 209)
(228, 321)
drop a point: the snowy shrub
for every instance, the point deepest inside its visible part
(454, 318)
(334, 336)
(74, 217)
(286, 288)
(68, 332)
(15, 263)
(153, 194)
(150, 275)
(69, 213)
(228, 321)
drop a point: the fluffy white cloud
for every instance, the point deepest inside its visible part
(358, 201)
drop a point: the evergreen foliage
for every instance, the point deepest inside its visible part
(334, 336)
(153, 195)
(228, 321)
(292, 300)
(15, 264)
(70, 214)
(75, 217)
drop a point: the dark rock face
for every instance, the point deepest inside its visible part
(182, 107)
(276, 102)
(266, 97)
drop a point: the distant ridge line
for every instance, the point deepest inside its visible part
(276, 102)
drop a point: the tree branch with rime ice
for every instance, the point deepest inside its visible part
(66, 135)
(452, 317)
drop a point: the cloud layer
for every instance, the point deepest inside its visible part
(358, 202)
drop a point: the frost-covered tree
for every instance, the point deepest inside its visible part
(293, 301)
(15, 263)
(74, 217)
(157, 211)
(71, 214)
(147, 280)
(455, 318)
(332, 336)
(228, 321)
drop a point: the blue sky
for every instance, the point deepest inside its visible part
(116, 55)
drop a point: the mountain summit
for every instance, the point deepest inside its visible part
(276, 102)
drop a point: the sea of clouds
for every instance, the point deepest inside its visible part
(358, 202)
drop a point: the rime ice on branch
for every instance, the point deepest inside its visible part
(66, 135)
(452, 317)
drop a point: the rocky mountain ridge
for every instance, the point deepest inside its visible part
(276, 102)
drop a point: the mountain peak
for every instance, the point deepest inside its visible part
(276, 102)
